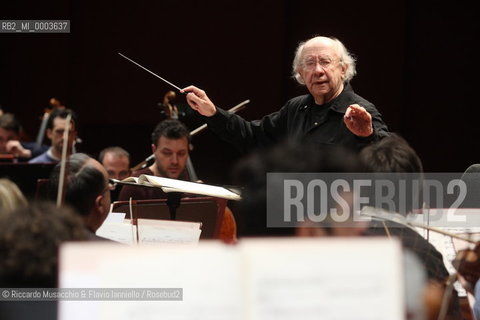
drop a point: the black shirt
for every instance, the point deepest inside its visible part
(301, 119)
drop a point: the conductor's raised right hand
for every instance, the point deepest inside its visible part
(199, 101)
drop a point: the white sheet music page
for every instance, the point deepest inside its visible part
(173, 185)
(168, 232)
(287, 278)
(116, 228)
(354, 278)
(78, 268)
(209, 275)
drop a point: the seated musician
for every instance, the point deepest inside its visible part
(30, 239)
(10, 132)
(116, 161)
(86, 189)
(170, 146)
(55, 127)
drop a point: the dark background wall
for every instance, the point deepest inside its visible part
(416, 62)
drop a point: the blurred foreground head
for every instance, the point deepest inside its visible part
(29, 241)
(289, 157)
(11, 197)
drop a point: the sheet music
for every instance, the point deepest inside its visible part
(78, 268)
(117, 231)
(114, 217)
(173, 185)
(210, 277)
(331, 279)
(449, 247)
(445, 244)
(168, 232)
(115, 228)
(257, 279)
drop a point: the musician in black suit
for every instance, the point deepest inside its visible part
(87, 190)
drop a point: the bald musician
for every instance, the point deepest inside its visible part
(87, 190)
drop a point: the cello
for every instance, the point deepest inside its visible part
(228, 227)
(54, 103)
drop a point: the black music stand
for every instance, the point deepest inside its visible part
(207, 210)
(25, 175)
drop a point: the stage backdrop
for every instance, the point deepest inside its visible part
(415, 62)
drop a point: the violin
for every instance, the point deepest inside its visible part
(467, 264)
(228, 228)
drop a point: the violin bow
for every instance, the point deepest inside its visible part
(383, 215)
(234, 109)
(238, 107)
(63, 163)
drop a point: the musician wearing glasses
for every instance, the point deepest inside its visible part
(331, 113)
(86, 189)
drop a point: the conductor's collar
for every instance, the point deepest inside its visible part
(339, 104)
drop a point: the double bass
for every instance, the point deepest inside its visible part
(54, 103)
(171, 110)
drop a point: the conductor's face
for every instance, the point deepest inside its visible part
(321, 69)
(171, 156)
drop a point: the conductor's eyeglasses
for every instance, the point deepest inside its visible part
(311, 63)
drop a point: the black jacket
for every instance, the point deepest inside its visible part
(300, 119)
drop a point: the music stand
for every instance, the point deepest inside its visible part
(25, 175)
(207, 210)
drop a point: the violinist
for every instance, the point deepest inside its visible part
(55, 127)
(10, 132)
(394, 155)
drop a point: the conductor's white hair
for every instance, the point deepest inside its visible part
(344, 57)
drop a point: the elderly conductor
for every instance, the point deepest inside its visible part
(331, 114)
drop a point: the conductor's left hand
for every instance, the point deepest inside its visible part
(358, 121)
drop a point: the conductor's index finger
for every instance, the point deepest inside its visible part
(190, 89)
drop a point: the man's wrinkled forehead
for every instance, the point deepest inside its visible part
(320, 46)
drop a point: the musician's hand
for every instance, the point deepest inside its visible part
(15, 147)
(199, 101)
(358, 121)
